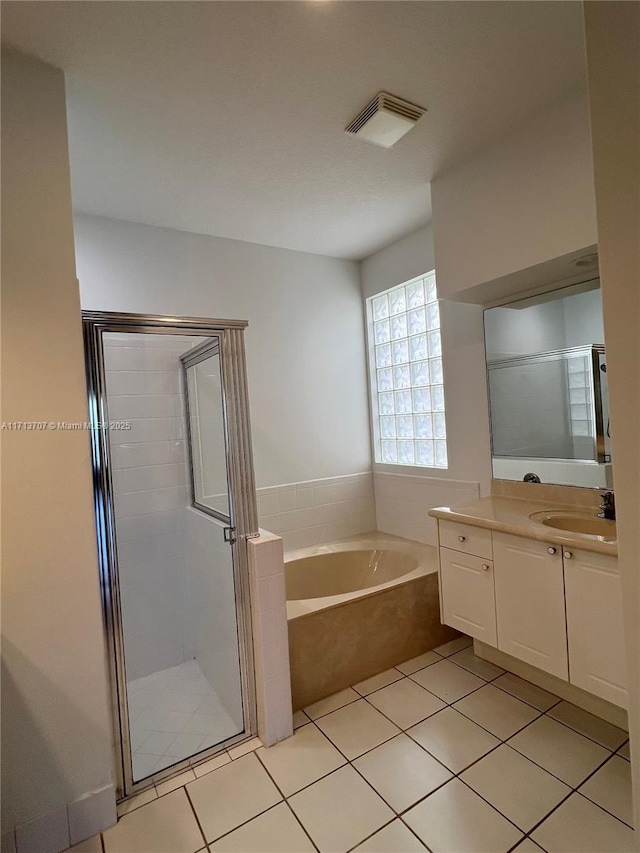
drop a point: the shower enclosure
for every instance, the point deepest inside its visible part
(175, 503)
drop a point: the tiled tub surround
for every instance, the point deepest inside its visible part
(444, 753)
(402, 502)
(336, 640)
(316, 511)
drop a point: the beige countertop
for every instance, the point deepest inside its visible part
(511, 515)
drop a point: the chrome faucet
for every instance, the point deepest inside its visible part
(608, 506)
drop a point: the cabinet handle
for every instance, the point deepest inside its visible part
(568, 555)
(485, 567)
(552, 551)
(461, 538)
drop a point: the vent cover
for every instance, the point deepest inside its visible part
(385, 120)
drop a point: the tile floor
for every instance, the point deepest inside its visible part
(174, 713)
(444, 753)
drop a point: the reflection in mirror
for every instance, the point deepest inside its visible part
(546, 372)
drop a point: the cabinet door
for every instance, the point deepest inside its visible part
(467, 596)
(530, 602)
(594, 625)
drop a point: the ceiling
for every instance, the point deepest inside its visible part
(227, 118)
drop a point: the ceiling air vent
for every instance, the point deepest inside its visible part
(385, 120)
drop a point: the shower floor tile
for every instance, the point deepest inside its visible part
(174, 713)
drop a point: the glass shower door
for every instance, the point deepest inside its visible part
(173, 561)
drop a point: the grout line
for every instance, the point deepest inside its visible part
(413, 832)
(398, 815)
(611, 814)
(197, 819)
(496, 809)
(379, 829)
(517, 731)
(302, 826)
(515, 749)
(566, 725)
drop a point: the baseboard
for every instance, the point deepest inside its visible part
(55, 831)
(587, 701)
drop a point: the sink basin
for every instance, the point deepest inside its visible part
(579, 523)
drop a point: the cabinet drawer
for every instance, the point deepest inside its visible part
(467, 595)
(465, 538)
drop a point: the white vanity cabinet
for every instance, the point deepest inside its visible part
(467, 599)
(530, 611)
(594, 624)
(557, 609)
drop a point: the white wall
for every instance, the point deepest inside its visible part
(538, 328)
(407, 258)
(613, 51)
(583, 322)
(305, 341)
(403, 495)
(525, 200)
(55, 710)
(571, 321)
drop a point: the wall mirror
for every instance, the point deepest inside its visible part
(547, 378)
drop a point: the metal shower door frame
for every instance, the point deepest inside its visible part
(242, 511)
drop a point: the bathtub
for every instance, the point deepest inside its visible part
(356, 608)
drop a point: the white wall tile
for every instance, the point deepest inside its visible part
(305, 495)
(145, 406)
(268, 504)
(150, 487)
(211, 608)
(270, 638)
(287, 499)
(402, 503)
(136, 455)
(323, 510)
(151, 501)
(143, 382)
(149, 477)
(155, 429)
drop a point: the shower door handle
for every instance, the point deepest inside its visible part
(229, 534)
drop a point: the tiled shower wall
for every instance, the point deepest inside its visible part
(210, 608)
(316, 511)
(150, 486)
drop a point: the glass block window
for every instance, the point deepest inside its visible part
(407, 390)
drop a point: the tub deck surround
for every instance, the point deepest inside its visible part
(339, 640)
(511, 515)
